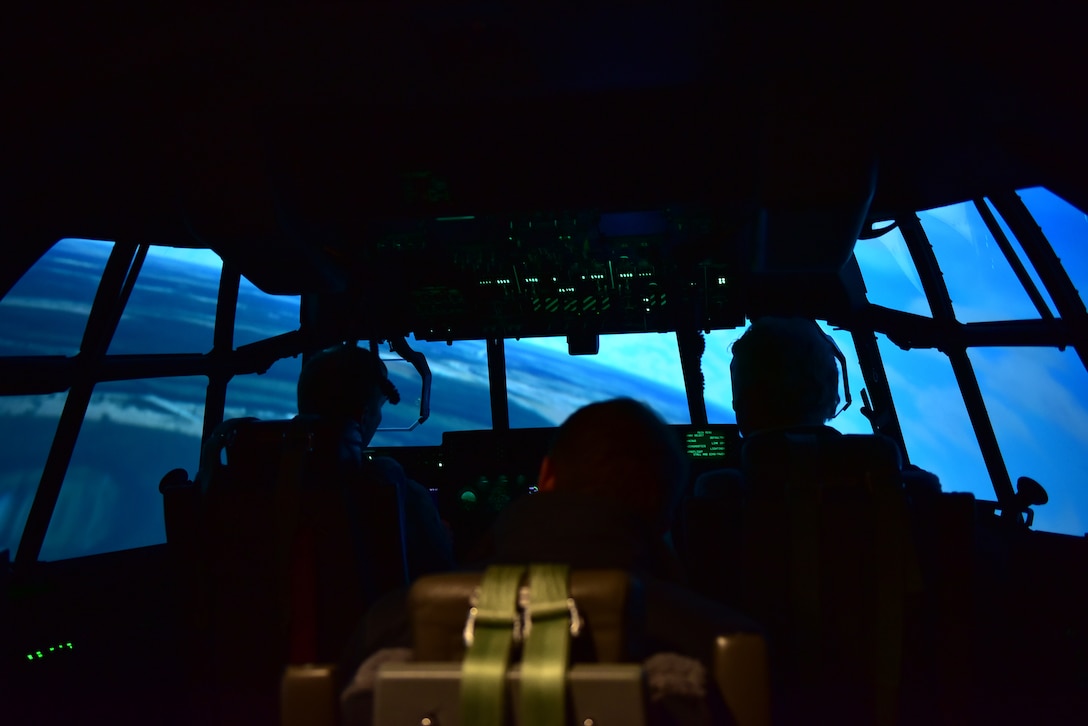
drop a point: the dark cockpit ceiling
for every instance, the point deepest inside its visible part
(317, 146)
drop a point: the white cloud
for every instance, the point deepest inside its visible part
(50, 304)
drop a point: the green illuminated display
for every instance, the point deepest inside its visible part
(37, 655)
(706, 444)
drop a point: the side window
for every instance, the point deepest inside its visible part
(980, 281)
(46, 312)
(891, 279)
(1036, 401)
(260, 315)
(1015, 242)
(270, 396)
(1066, 227)
(936, 428)
(27, 426)
(545, 384)
(172, 307)
(133, 433)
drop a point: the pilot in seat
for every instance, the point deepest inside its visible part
(608, 488)
(784, 375)
(350, 385)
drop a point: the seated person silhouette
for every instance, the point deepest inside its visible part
(348, 386)
(814, 523)
(608, 489)
(785, 376)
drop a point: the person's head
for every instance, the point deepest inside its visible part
(619, 449)
(784, 374)
(346, 381)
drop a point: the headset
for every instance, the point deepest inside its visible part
(837, 352)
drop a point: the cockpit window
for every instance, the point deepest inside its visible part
(718, 388)
(172, 307)
(545, 384)
(980, 280)
(1066, 228)
(260, 315)
(460, 393)
(272, 395)
(936, 428)
(891, 278)
(27, 425)
(46, 312)
(134, 432)
(1036, 401)
(1018, 248)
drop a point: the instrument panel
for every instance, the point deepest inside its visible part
(566, 273)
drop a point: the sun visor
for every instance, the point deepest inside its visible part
(816, 236)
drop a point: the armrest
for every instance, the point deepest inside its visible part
(740, 670)
(308, 696)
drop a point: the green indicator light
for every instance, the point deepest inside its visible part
(30, 656)
(468, 496)
(69, 646)
(39, 653)
(52, 649)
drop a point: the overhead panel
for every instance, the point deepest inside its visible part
(562, 273)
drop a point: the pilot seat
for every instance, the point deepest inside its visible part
(812, 538)
(284, 548)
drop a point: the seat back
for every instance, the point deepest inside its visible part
(295, 546)
(712, 524)
(606, 681)
(607, 601)
(828, 562)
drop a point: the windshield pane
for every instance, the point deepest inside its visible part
(890, 277)
(936, 429)
(980, 281)
(1018, 248)
(172, 307)
(460, 393)
(27, 426)
(718, 390)
(546, 385)
(46, 312)
(1036, 401)
(1067, 229)
(133, 433)
(260, 315)
(460, 396)
(270, 396)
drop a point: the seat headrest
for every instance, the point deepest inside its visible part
(439, 606)
(819, 452)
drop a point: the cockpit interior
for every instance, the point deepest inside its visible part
(525, 208)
